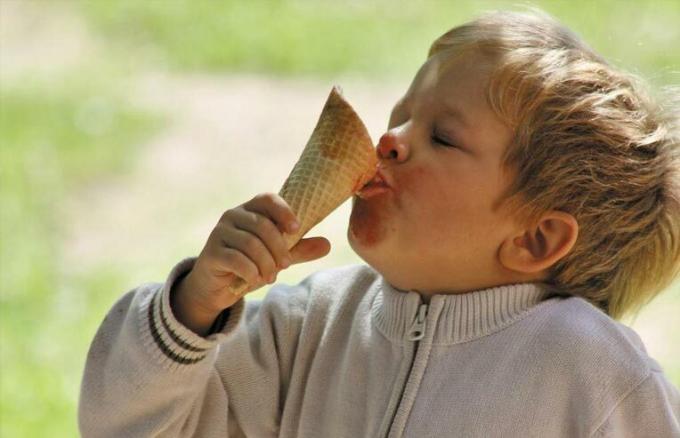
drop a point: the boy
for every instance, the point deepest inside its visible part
(532, 197)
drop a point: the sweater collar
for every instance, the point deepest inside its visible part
(454, 318)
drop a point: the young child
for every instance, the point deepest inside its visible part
(533, 199)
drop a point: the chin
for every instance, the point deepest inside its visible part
(376, 256)
(368, 253)
(371, 234)
(357, 247)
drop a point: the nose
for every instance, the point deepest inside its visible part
(392, 147)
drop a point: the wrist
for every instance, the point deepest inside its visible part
(188, 313)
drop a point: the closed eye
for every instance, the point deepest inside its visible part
(438, 139)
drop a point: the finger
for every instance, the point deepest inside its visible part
(252, 247)
(310, 249)
(269, 234)
(250, 286)
(276, 209)
(234, 261)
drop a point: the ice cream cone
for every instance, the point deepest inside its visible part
(338, 160)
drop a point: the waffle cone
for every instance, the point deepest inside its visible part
(337, 161)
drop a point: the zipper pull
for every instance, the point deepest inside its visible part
(417, 330)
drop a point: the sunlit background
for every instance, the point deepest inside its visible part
(128, 127)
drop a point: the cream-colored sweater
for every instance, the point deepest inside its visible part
(344, 354)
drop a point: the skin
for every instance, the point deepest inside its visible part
(441, 228)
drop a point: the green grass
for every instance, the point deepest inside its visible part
(378, 38)
(55, 137)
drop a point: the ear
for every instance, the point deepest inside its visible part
(540, 246)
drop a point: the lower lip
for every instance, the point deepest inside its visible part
(373, 190)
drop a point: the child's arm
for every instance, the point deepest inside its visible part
(651, 409)
(148, 374)
(144, 377)
(247, 242)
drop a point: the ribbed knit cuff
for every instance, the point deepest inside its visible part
(172, 343)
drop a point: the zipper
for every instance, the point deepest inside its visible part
(417, 330)
(415, 333)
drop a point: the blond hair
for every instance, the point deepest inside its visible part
(589, 141)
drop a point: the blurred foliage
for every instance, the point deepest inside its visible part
(54, 137)
(375, 38)
(60, 133)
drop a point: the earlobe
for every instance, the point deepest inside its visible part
(540, 246)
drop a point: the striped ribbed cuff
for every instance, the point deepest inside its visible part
(174, 344)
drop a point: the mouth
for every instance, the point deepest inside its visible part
(376, 186)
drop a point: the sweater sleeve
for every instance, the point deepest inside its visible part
(651, 409)
(147, 375)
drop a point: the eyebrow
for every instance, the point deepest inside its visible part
(451, 111)
(457, 115)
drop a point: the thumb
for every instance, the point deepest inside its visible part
(310, 249)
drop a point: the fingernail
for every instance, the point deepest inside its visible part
(294, 226)
(285, 262)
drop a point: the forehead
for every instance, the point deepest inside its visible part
(467, 72)
(448, 76)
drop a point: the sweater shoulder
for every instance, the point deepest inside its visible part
(575, 328)
(336, 283)
(587, 356)
(321, 291)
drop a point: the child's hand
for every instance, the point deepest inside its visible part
(246, 242)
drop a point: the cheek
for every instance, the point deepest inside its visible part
(430, 195)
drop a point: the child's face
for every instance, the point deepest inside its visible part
(438, 228)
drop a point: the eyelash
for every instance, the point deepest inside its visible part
(437, 139)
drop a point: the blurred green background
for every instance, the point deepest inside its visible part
(127, 127)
